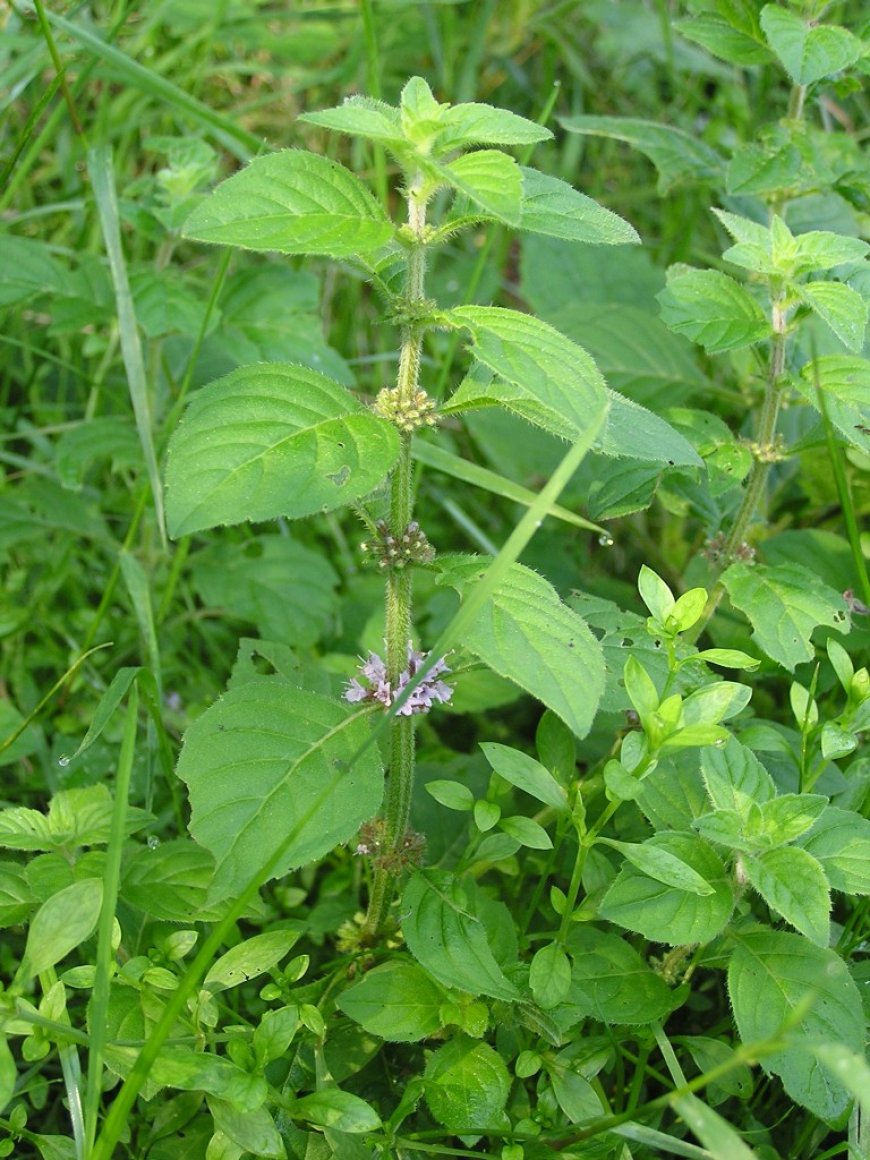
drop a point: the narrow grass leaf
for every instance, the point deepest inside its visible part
(716, 1134)
(103, 181)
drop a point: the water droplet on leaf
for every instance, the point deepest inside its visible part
(605, 540)
(63, 761)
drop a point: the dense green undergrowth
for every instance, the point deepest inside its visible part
(436, 463)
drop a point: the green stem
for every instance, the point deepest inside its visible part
(399, 592)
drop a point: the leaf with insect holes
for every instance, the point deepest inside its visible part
(292, 202)
(272, 440)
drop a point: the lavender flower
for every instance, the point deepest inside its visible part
(378, 688)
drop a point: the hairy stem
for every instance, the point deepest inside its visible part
(399, 590)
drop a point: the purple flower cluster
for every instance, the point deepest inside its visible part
(379, 688)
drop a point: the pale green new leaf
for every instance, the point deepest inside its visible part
(793, 884)
(712, 309)
(807, 51)
(525, 633)
(841, 307)
(784, 604)
(334, 1109)
(678, 156)
(553, 207)
(448, 940)
(844, 376)
(788, 816)
(467, 1085)
(775, 979)
(491, 180)
(269, 779)
(249, 958)
(61, 924)
(550, 975)
(549, 370)
(361, 117)
(525, 773)
(734, 777)
(273, 440)
(292, 202)
(473, 123)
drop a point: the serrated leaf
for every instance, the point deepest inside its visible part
(553, 207)
(472, 123)
(734, 777)
(252, 1130)
(360, 117)
(771, 977)
(660, 864)
(723, 39)
(793, 884)
(712, 309)
(292, 202)
(467, 1085)
(664, 913)
(840, 841)
(844, 376)
(791, 814)
(678, 156)
(841, 307)
(267, 770)
(272, 440)
(169, 881)
(525, 633)
(784, 603)
(610, 982)
(491, 180)
(806, 51)
(448, 940)
(525, 773)
(545, 368)
(633, 432)
(397, 1001)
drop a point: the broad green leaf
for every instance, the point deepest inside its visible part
(788, 816)
(361, 117)
(633, 432)
(335, 1109)
(491, 180)
(610, 982)
(553, 207)
(793, 884)
(16, 897)
(250, 581)
(776, 979)
(527, 832)
(626, 487)
(269, 777)
(28, 269)
(452, 794)
(655, 594)
(61, 924)
(660, 864)
(678, 156)
(712, 309)
(823, 249)
(729, 41)
(664, 913)
(448, 940)
(169, 881)
(720, 1140)
(525, 633)
(182, 1067)
(773, 166)
(80, 816)
(467, 1085)
(717, 702)
(784, 603)
(111, 437)
(734, 777)
(397, 1001)
(272, 440)
(477, 124)
(709, 1053)
(292, 202)
(249, 958)
(841, 307)
(253, 1130)
(560, 384)
(807, 51)
(641, 690)
(525, 773)
(842, 375)
(840, 842)
(550, 975)
(849, 1067)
